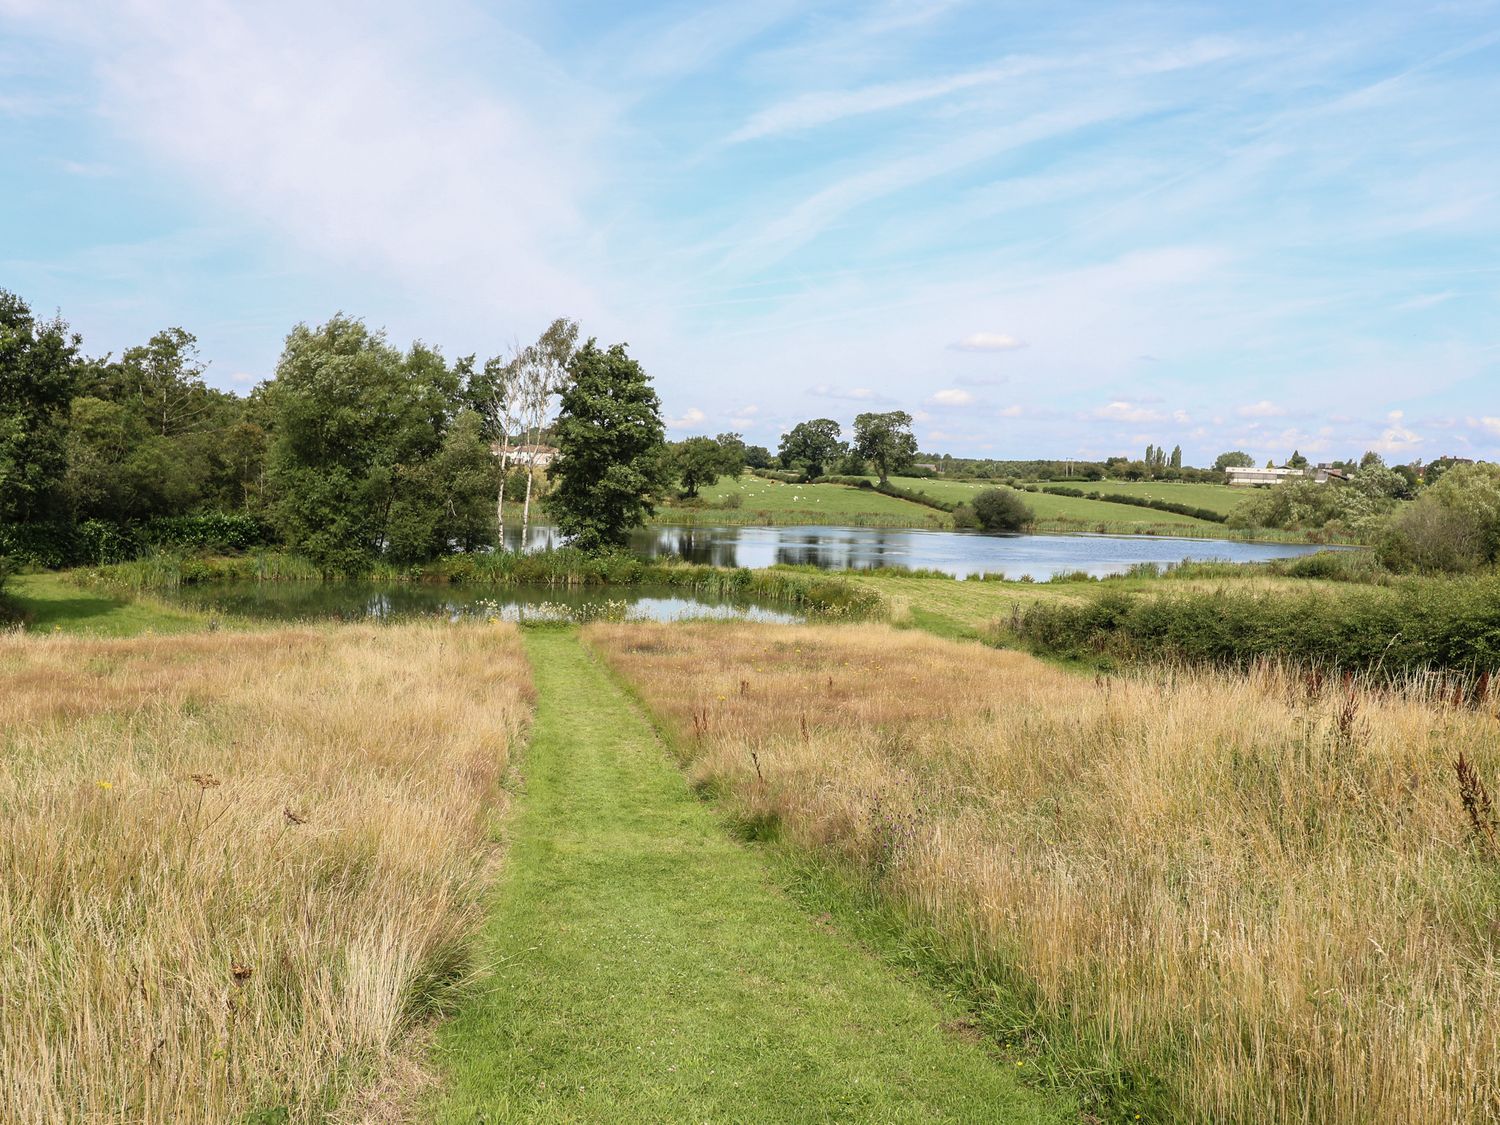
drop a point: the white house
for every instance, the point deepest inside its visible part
(536, 456)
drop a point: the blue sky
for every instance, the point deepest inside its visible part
(1045, 230)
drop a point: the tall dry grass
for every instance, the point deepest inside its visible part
(1260, 897)
(237, 870)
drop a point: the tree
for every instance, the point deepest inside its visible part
(999, 509)
(163, 381)
(734, 452)
(810, 446)
(1234, 459)
(497, 395)
(1454, 526)
(610, 463)
(1176, 461)
(698, 461)
(1296, 460)
(543, 374)
(38, 363)
(352, 419)
(758, 457)
(886, 441)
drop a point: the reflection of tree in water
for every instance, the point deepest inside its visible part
(716, 548)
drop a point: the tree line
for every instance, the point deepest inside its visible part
(353, 450)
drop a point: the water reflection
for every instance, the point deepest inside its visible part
(960, 553)
(354, 601)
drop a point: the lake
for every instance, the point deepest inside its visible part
(959, 553)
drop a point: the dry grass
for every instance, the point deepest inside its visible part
(1264, 893)
(238, 870)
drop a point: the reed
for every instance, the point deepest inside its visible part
(237, 872)
(1202, 895)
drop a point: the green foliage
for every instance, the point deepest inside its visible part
(1234, 459)
(1000, 509)
(1410, 628)
(1356, 508)
(354, 424)
(699, 461)
(886, 441)
(611, 461)
(1452, 528)
(810, 447)
(38, 361)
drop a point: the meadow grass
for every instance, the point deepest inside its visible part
(238, 871)
(1255, 898)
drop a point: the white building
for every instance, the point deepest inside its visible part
(536, 456)
(1252, 477)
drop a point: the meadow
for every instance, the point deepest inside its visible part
(753, 500)
(241, 871)
(1198, 895)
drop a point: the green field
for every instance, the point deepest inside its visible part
(773, 502)
(1215, 497)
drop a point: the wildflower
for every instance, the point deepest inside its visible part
(241, 973)
(291, 817)
(205, 780)
(105, 784)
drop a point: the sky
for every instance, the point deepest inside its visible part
(1045, 230)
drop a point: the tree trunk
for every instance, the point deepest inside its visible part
(500, 499)
(526, 507)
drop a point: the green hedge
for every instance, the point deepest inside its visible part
(98, 542)
(1172, 506)
(1410, 627)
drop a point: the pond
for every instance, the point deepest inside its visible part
(358, 601)
(959, 553)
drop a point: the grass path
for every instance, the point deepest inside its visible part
(645, 967)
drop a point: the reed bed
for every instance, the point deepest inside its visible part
(1255, 897)
(237, 871)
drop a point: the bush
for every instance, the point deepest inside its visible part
(1411, 628)
(1453, 528)
(1001, 509)
(733, 500)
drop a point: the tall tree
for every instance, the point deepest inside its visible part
(810, 446)
(1234, 459)
(544, 375)
(351, 417)
(38, 362)
(498, 395)
(611, 461)
(1176, 461)
(886, 441)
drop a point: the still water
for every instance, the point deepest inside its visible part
(959, 553)
(356, 601)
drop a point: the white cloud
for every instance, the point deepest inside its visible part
(1015, 410)
(951, 396)
(807, 111)
(987, 342)
(1491, 425)
(1262, 409)
(691, 417)
(1121, 411)
(1397, 437)
(852, 394)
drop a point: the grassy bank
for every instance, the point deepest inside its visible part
(53, 603)
(1202, 896)
(237, 872)
(645, 967)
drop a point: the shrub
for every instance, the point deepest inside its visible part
(1001, 509)
(733, 500)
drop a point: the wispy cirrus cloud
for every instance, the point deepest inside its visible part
(987, 342)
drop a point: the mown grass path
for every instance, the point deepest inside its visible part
(645, 967)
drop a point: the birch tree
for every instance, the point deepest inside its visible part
(542, 374)
(503, 406)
